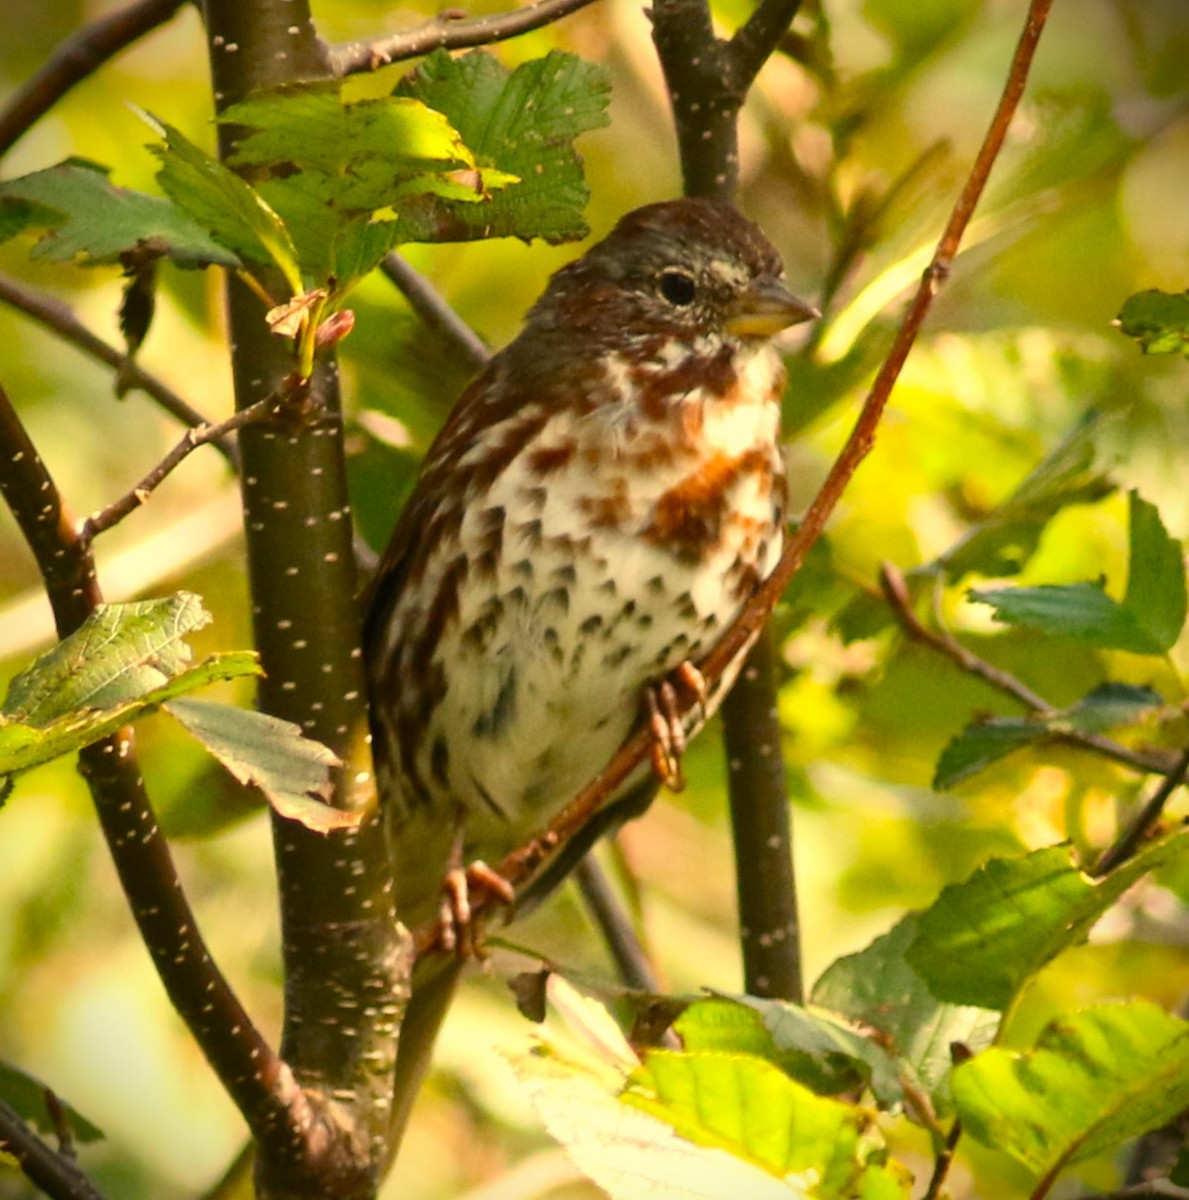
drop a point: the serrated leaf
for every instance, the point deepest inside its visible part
(878, 988)
(984, 938)
(1074, 610)
(235, 214)
(84, 217)
(292, 770)
(984, 742)
(1093, 1080)
(627, 1152)
(27, 1095)
(119, 653)
(1003, 542)
(817, 1048)
(1150, 617)
(1155, 575)
(24, 746)
(522, 123)
(339, 174)
(751, 1109)
(1158, 320)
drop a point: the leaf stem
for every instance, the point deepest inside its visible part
(53, 1173)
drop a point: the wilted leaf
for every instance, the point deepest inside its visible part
(1159, 321)
(982, 939)
(85, 217)
(521, 123)
(292, 771)
(1093, 1080)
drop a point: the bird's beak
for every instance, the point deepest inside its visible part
(766, 308)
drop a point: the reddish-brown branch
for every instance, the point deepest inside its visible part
(73, 60)
(449, 31)
(522, 863)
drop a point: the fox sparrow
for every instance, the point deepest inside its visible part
(599, 505)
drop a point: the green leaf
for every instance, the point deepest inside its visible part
(27, 1095)
(117, 655)
(878, 989)
(1094, 1080)
(1148, 621)
(1155, 575)
(984, 938)
(820, 1049)
(1076, 610)
(752, 1110)
(523, 124)
(340, 174)
(1002, 542)
(85, 217)
(983, 742)
(25, 746)
(1159, 321)
(626, 1151)
(235, 215)
(292, 771)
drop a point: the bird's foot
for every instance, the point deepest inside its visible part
(664, 715)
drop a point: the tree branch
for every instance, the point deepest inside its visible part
(896, 593)
(447, 32)
(259, 1084)
(1128, 842)
(708, 80)
(53, 314)
(345, 955)
(518, 866)
(77, 57)
(425, 300)
(271, 407)
(631, 960)
(58, 1177)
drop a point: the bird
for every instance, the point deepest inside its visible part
(599, 505)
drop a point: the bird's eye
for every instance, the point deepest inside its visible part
(678, 288)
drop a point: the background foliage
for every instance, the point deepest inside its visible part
(853, 160)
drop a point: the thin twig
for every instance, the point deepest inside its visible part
(56, 1176)
(518, 866)
(758, 37)
(425, 300)
(896, 593)
(256, 1079)
(631, 959)
(201, 435)
(1128, 841)
(943, 1162)
(51, 312)
(447, 32)
(74, 59)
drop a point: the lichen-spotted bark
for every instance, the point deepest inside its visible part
(344, 955)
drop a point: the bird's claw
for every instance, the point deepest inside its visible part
(462, 890)
(666, 725)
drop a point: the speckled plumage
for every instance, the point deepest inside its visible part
(601, 502)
